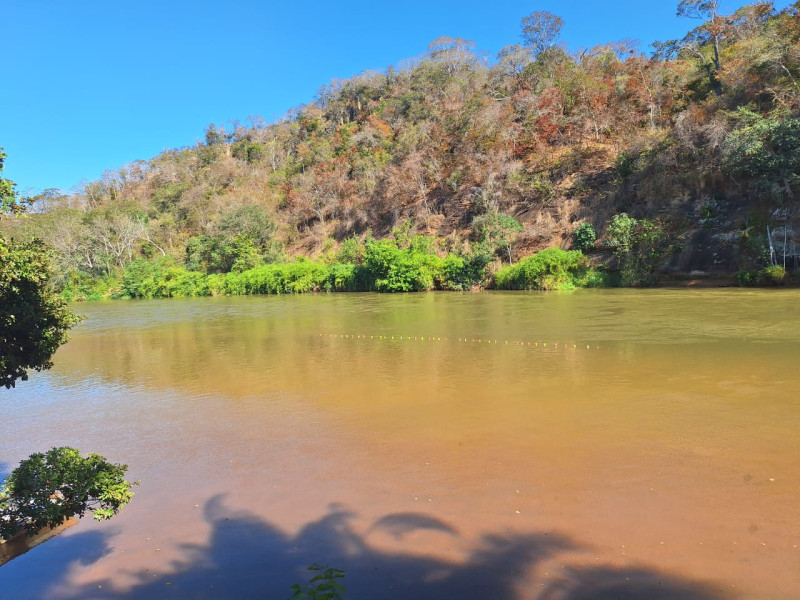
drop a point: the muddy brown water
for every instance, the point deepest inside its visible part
(650, 450)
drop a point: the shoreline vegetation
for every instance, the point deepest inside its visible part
(384, 266)
(548, 270)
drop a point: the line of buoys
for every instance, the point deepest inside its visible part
(429, 338)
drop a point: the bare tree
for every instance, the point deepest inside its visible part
(540, 30)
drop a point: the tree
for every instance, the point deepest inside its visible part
(766, 151)
(639, 245)
(512, 60)
(33, 319)
(48, 488)
(540, 30)
(454, 53)
(713, 31)
(117, 233)
(585, 236)
(8, 193)
(498, 230)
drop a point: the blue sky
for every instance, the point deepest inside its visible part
(90, 85)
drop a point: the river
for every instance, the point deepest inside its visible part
(553, 446)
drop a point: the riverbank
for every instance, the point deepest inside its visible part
(382, 267)
(557, 270)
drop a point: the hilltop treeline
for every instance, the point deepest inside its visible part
(488, 160)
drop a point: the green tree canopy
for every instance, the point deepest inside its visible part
(48, 488)
(33, 320)
(498, 230)
(766, 151)
(8, 193)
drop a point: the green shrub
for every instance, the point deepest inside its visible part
(639, 246)
(549, 269)
(464, 271)
(84, 287)
(453, 273)
(284, 278)
(188, 284)
(773, 275)
(350, 251)
(497, 231)
(161, 278)
(401, 269)
(349, 278)
(621, 232)
(585, 236)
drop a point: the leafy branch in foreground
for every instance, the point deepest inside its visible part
(48, 488)
(322, 586)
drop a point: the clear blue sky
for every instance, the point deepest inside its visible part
(90, 85)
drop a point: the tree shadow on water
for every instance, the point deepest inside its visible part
(247, 557)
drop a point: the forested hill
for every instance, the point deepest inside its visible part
(702, 138)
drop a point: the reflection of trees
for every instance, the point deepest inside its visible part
(247, 557)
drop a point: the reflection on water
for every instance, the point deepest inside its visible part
(654, 435)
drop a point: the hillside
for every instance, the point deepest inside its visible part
(702, 139)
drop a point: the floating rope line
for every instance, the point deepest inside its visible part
(464, 340)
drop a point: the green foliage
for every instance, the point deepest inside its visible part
(766, 151)
(639, 246)
(323, 586)
(33, 320)
(201, 254)
(218, 254)
(48, 488)
(81, 287)
(625, 165)
(244, 239)
(621, 233)
(251, 152)
(467, 270)
(747, 277)
(396, 269)
(585, 236)
(772, 275)
(8, 193)
(286, 278)
(550, 269)
(498, 230)
(166, 198)
(250, 220)
(351, 250)
(241, 253)
(753, 242)
(215, 136)
(161, 278)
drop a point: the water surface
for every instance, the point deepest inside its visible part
(599, 444)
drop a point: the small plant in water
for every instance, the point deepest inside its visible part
(322, 586)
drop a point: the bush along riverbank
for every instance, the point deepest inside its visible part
(400, 271)
(377, 265)
(631, 255)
